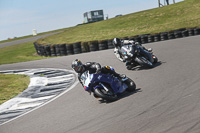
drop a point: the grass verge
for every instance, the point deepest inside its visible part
(19, 53)
(11, 85)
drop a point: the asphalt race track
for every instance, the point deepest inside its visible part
(167, 99)
(26, 39)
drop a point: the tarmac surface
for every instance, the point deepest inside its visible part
(34, 38)
(167, 99)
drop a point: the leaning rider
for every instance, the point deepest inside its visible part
(92, 67)
(118, 44)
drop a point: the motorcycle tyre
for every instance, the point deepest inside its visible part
(155, 59)
(100, 94)
(144, 63)
(129, 67)
(131, 85)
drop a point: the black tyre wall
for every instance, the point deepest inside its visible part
(53, 50)
(164, 36)
(150, 38)
(157, 37)
(110, 44)
(47, 50)
(69, 48)
(63, 49)
(103, 44)
(93, 45)
(77, 47)
(85, 47)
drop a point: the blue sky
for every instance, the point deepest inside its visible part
(19, 17)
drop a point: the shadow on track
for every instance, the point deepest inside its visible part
(138, 68)
(123, 95)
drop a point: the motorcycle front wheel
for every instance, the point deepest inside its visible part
(131, 85)
(155, 59)
(108, 96)
(144, 62)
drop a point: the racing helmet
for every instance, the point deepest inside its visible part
(77, 66)
(117, 42)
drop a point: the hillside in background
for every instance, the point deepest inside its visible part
(180, 15)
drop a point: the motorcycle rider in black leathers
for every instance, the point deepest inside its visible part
(118, 43)
(93, 67)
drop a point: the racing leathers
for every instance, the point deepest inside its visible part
(118, 52)
(94, 67)
(130, 47)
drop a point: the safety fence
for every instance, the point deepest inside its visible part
(82, 47)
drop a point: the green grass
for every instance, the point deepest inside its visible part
(180, 15)
(12, 85)
(19, 53)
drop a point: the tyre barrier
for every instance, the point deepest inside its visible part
(77, 47)
(157, 38)
(150, 38)
(96, 45)
(93, 45)
(103, 44)
(164, 36)
(110, 45)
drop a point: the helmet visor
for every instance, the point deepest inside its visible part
(78, 68)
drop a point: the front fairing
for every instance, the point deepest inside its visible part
(91, 81)
(143, 52)
(86, 79)
(126, 49)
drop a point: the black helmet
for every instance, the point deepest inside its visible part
(117, 42)
(77, 66)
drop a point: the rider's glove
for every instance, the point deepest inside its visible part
(130, 54)
(137, 43)
(125, 57)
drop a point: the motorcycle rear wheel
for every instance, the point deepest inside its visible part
(99, 92)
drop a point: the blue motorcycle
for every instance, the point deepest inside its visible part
(106, 86)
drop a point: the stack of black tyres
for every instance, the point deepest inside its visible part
(41, 50)
(36, 48)
(178, 34)
(150, 38)
(197, 31)
(47, 50)
(185, 33)
(77, 47)
(69, 48)
(110, 43)
(171, 35)
(57, 48)
(85, 47)
(156, 37)
(163, 36)
(53, 50)
(191, 32)
(144, 39)
(93, 45)
(63, 50)
(103, 44)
